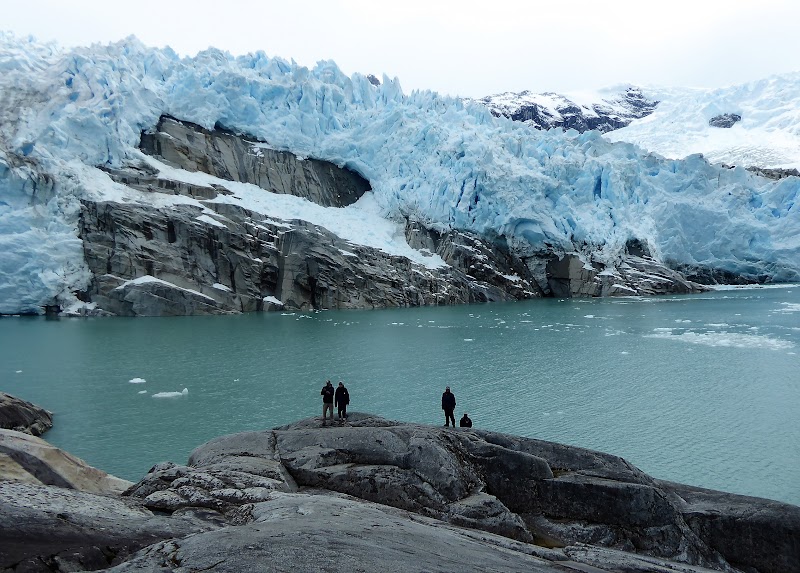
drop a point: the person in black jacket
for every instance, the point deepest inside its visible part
(448, 405)
(465, 422)
(327, 401)
(342, 399)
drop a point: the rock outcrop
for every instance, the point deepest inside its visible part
(214, 257)
(548, 110)
(29, 459)
(248, 262)
(571, 276)
(377, 495)
(22, 416)
(559, 503)
(226, 155)
(725, 120)
(59, 514)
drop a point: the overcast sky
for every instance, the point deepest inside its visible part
(465, 47)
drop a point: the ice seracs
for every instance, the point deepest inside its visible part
(440, 162)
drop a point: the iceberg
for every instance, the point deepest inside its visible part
(440, 161)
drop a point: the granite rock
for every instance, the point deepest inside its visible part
(22, 416)
(531, 491)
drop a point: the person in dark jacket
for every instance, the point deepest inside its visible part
(448, 405)
(327, 400)
(465, 422)
(342, 399)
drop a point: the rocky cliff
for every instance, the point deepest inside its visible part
(382, 495)
(147, 257)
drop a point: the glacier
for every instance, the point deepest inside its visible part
(443, 162)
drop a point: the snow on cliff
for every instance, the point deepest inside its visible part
(429, 158)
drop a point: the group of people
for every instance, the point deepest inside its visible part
(449, 406)
(340, 398)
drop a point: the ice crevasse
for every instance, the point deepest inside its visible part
(428, 158)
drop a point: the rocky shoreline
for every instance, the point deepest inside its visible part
(376, 495)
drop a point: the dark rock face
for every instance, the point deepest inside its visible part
(234, 266)
(22, 416)
(570, 276)
(602, 116)
(776, 173)
(584, 505)
(725, 120)
(238, 158)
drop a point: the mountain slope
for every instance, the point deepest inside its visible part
(434, 161)
(766, 136)
(750, 125)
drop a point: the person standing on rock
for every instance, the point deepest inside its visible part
(465, 421)
(341, 400)
(448, 405)
(327, 401)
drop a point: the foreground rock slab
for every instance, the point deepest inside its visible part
(584, 506)
(297, 532)
(47, 528)
(378, 495)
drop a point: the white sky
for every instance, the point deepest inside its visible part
(468, 48)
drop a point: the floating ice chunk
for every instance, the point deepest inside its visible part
(725, 339)
(624, 352)
(142, 391)
(468, 339)
(19, 372)
(137, 381)
(184, 392)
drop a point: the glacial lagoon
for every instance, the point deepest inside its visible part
(701, 389)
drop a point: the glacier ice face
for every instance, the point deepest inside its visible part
(437, 160)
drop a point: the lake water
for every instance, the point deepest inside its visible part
(701, 389)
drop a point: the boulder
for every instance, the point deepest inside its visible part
(22, 416)
(725, 120)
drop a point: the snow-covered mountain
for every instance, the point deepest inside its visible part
(750, 125)
(604, 111)
(69, 119)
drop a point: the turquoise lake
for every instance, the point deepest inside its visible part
(701, 389)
